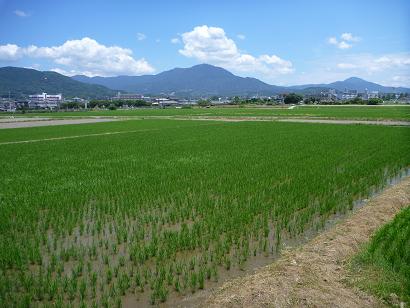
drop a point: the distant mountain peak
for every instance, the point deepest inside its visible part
(198, 80)
(354, 79)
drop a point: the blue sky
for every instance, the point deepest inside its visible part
(280, 42)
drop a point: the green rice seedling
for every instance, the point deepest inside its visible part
(177, 284)
(178, 268)
(113, 290)
(65, 284)
(137, 279)
(52, 289)
(169, 277)
(83, 289)
(162, 294)
(193, 281)
(72, 288)
(215, 272)
(106, 260)
(118, 302)
(185, 280)
(208, 273)
(123, 283)
(59, 301)
(121, 261)
(201, 279)
(192, 263)
(104, 302)
(114, 249)
(108, 276)
(116, 270)
(227, 262)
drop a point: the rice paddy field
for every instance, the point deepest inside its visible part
(144, 212)
(393, 112)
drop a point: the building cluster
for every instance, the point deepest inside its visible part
(332, 95)
(47, 101)
(36, 101)
(44, 101)
(154, 101)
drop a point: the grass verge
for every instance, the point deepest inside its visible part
(383, 265)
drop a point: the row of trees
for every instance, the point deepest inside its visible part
(355, 101)
(110, 104)
(291, 98)
(118, 103)
(359, 101)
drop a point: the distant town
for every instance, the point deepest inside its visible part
(46, 101)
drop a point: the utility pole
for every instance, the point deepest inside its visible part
(9, 103)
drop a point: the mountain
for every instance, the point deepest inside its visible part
(208, 80)
(196, 81)
(199, 80)
(353, 83)
(29, 81)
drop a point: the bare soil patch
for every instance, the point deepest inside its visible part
(33, 122)
(314, 275)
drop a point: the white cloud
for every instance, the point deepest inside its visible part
(386, 69)
(344, 45)
(346, 65)
(398, 81)
(340, 45)
(85, 56)
(332, 40)
(345, 42)
(241, 36)
(9, 52)
(141, 36)
(370, 63)
(175, 40)
(348, 37)
(21, 13)
(211, 45)
(34, 66)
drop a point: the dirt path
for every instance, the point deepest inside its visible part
(33, 122)
(314, 275)
(371, 122)
(299, 119)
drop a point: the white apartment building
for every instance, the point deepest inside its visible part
(371, 94)
(45, 100)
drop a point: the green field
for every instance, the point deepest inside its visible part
(159, 208)
(384, 264)
(342, 112)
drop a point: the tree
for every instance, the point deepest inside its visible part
(203, 103)
(293, 98)
(355, 101)
(374, 101)
(236, 100)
